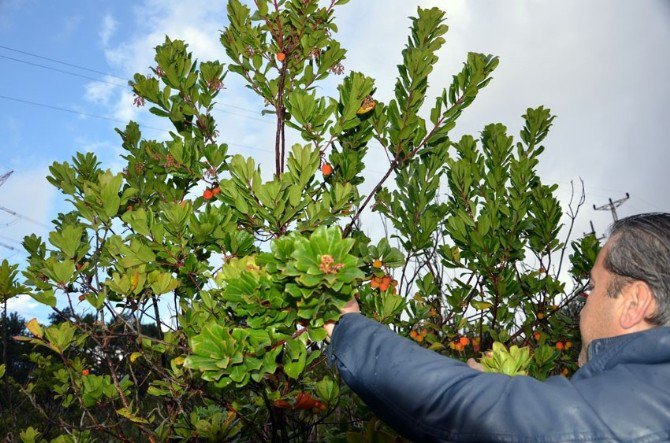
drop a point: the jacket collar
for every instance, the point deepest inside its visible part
(650, 346)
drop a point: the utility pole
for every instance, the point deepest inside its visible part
(612, 205)
(593, 232)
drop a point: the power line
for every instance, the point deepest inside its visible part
(11, 248)
(51, 68)
(72, 65)
(227, 105)
(4, 237)
(102, 117)
(58, 108)
(122, 85)
(16, 214)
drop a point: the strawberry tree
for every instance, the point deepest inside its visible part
(251, 269)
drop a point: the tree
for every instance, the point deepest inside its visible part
(255, 268)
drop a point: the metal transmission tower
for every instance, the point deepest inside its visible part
(4, 177)
(612, 205)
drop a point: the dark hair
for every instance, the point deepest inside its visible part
(639, 249)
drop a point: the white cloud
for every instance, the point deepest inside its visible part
(109, 26)
(101, 92)
(23, 304)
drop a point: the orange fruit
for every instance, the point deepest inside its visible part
(281, 56)
(208, 194)
(537, 336)
(216, 191)
(560, 345)
(374, 283)
(464, 341)
(568, 345)
(85, 372)
(326, 169)
(540, 315)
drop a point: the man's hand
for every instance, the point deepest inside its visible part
(475, 365)
(351, 306)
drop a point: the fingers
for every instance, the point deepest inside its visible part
(474, 365)
(351, 306)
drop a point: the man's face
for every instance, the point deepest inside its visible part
(598, 317)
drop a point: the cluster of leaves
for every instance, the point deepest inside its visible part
(253, 268)
(302, 281)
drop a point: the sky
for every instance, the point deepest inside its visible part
(601, 66)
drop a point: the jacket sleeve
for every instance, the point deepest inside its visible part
(428, 397)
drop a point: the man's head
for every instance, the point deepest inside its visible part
(630, 281)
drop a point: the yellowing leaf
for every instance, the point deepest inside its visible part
(134, 356)
(125, 412)
(134, 280)
(481, 305)
(35, 328)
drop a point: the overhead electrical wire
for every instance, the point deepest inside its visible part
(51, 68)
(227, 105)
(102, 117)
(24, 217)
(72, 65)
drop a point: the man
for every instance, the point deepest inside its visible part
(620, 393)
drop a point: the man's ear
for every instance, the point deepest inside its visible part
(638, 304)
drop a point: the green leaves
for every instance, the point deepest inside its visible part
(9, 287)
(514, 361)
(295, 358)
(257, 263)
(300, 279)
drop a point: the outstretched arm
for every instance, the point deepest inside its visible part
(428, 397)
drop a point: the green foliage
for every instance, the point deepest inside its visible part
(512, 361)
(253, 269)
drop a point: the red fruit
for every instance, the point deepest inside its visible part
(326, 169)
(305, 401)
(282, 404)
(560, 345)
(464, 341)
(216, 191)
(208, 194)
(85, 372)
(281, 56)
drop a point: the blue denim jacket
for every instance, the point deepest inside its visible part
(621, 394)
